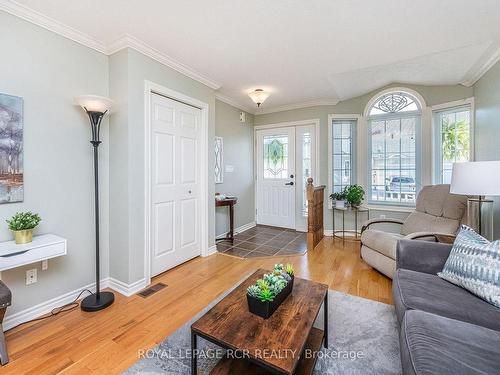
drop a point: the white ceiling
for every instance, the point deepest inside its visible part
(314, 51)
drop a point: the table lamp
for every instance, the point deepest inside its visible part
(477, 180)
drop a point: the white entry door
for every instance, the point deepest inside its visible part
(276, 177)
(175, 185)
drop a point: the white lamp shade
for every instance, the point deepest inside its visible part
(476, 178)
(259, 96)
(94, 103)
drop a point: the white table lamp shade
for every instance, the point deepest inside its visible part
(94, 103)
(476, 178)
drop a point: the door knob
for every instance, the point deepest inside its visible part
(189, 191)
(289, 183)
(291, 176)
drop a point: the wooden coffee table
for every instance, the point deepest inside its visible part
(265, 346)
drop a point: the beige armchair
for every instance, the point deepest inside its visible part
(438, 214)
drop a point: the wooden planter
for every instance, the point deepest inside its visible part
(266, 309)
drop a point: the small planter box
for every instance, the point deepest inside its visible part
(266, 309)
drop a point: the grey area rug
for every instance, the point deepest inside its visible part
(363, 339)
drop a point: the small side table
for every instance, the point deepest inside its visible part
(229, 202)
(356, 232)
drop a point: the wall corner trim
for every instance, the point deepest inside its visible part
(126, 41)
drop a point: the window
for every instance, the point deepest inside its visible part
(342, 154)
(306, 167)
(393, 133)
(453, 140)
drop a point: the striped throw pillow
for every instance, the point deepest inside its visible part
(474, 264)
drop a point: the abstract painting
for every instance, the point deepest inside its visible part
(11, 149)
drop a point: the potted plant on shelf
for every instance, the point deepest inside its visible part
(22, 224)
(354, 195)
(338, 199)
(269, 292)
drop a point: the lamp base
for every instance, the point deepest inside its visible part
(96, 302)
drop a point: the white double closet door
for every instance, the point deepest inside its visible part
(175, 183)
(285, 159)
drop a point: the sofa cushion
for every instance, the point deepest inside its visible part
(436, 200)
(382, 242)
(431, 344)
(474, 264)
(421, 291)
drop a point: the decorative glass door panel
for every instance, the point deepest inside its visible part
(275, 160)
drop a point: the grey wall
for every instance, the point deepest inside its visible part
(48, 70)
(431, 94)
(487, 126)
(136, 68)
(238, 152)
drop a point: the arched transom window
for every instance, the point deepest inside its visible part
(394, 137)
(392, 103)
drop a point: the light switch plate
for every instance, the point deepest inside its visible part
(242, 116)
(229, 168)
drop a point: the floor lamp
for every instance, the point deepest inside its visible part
(478, 179)
(96, 108)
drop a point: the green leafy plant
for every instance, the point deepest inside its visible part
(289, 269)
(266, 295)
(354, 194)
(271, 284)
(23, 221)
(339, 196)
(456, 140)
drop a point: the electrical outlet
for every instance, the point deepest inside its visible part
(382, 216)
(31, 277)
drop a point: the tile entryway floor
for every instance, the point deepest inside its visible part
(264, 241)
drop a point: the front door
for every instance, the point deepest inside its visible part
(276, 177)
(175, 185)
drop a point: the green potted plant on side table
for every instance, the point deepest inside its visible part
(22, 224)
(338, 199)
(354, 195)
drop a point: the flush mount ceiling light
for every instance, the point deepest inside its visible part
(259, 96)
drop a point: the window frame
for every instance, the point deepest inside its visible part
(355, 118)
(437, 110)
(418, 114)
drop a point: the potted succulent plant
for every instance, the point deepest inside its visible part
(269, 292)
(354, 195)
(22, 224)
(338, 199)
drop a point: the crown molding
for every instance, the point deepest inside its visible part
(485, 62)
(288, 107)
(51, 24)
(234, 103)
(128, 41)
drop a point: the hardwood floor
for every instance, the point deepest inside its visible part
(108, 342)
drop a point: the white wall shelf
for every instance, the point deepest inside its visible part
(43, 247)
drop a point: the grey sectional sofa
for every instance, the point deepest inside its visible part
(444, 329)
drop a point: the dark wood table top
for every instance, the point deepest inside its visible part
(226, 202)
(232, 325)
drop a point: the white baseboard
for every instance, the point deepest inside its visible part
(239, 229)
(328, 232)
(127, 289)
(212, 250)
(46, 307)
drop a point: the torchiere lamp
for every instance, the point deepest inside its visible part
(96, 108)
